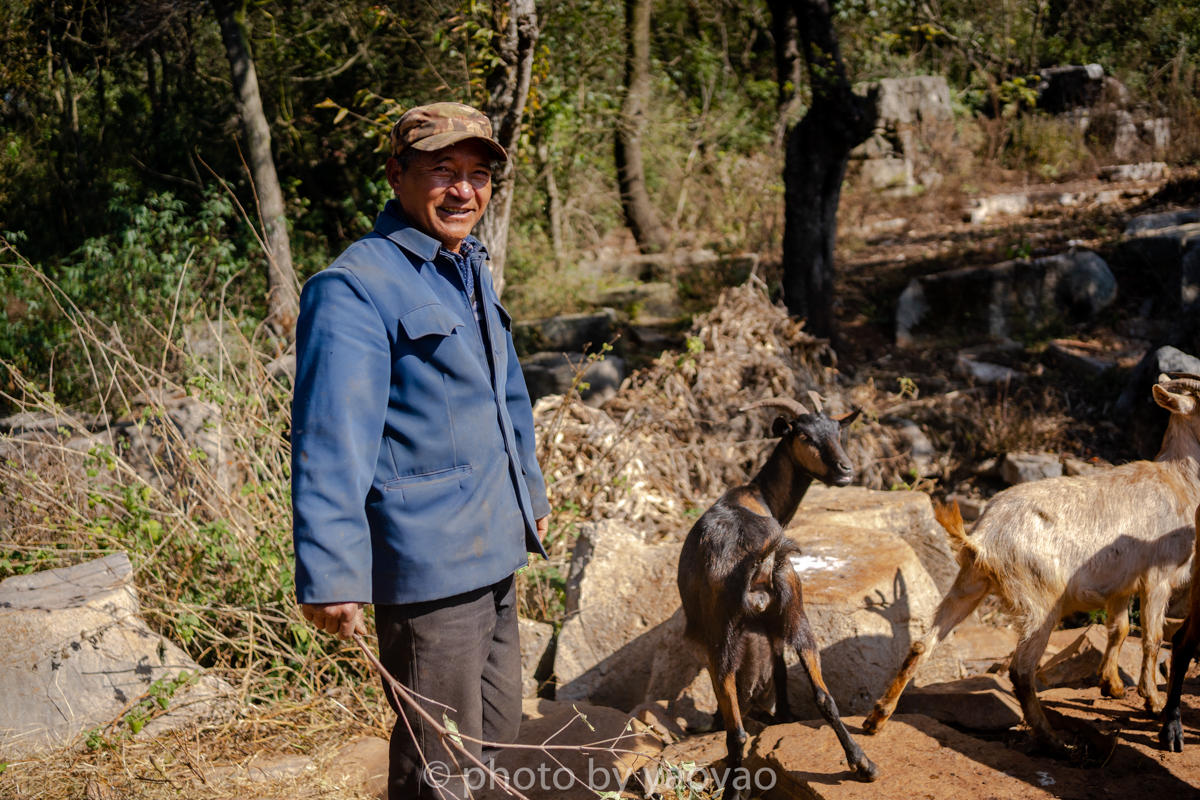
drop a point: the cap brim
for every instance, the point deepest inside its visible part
(441, 140)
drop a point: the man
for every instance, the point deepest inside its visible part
(414, 481)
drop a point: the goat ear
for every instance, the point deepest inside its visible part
(781, 427)
(846, 419)
(1175, 403)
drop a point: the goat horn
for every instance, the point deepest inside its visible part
(1185, 384)
(785, 403)
(1178, 375)
(816, 398)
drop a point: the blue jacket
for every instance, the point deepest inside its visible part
(413, 468)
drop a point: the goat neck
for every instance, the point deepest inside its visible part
(1180, 444)
(782, 483)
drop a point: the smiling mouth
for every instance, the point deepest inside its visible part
(454, 213)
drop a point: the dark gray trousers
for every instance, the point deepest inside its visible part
(465, 652)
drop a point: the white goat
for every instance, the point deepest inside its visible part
(1057, 546)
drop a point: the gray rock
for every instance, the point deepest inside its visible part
(979, 703)
(619, 589)
(553, 373)
(971, 508)
(654, 299)
(1169, 256)
(1078, 360)
(1005, 299)
(985, 208)
(1148, 171)
(887, 173)
(908, 101)
(568, 333)
(1157, 133)
(537, 654)
(1172, 359)
(76, 655)
(1167, 219)
(1027, 467)
(1068, 87)
(984, 371)
(876, 146)
(920, 448)
(1074, 467)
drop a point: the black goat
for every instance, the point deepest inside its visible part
(740, 591)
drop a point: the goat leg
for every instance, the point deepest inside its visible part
(1154, 604)
(810, 656)
(1022, 673)
(1117, 609)
(970, 587)
(783, 708)
(1183, 649)
(725, 687)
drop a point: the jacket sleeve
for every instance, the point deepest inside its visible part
(343, 374)
(520, 411)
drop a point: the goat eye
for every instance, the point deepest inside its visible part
(802, 437)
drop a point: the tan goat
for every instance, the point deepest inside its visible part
(1057, 546)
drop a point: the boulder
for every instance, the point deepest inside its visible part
(1144, 420)
(1026, 467)
(363, 765)
(548, 776)
(554, 373)
(978, 703)
(568, 333)
(917, 757)
(868, 599)
(619, 589)
(638, 300)
(1167, 256)
(537, 654)
(1068, 87)
(969, 506)
(1079, 358)
(909, 515)
(887, 173)
(971, 367)
(1006, 299)
(1167, 219)
(985, 208)
(980, 647)
(908, 101)
(1077, 662)
(77, 656)
(1149, 171)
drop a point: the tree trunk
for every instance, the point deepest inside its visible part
(508, 89)
(640, 214)
(553, 200)
(818, 150)
(788, 65)
(282, 294)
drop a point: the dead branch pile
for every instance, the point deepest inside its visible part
(672, 439)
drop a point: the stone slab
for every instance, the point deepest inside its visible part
(980, 646)
(74, 655)
(868, 599)
(979, 703)
(362, 765)
(909, 515)
(536, 641)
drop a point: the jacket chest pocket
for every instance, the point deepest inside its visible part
(432, 319)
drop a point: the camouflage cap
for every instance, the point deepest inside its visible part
(440, 125)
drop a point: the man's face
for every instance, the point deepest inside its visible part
(444, 192)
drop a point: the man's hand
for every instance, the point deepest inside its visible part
(343, 619)
(543, 527)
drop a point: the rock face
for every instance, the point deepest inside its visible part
(868, 599)
(1006, 299)
(906, 109)
(618, 590)
(568, 333)
(1027, 467)
(979, 703)
(75, 655)
(1170, 256)
(887, 173)
(981, 646)
(537, 655)
(1167, 219)
(540, 777)
(909, 515)
(553, 373)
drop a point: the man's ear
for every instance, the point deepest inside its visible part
(780, 427)
(846, 419)
(392, 171)
(1175, 403)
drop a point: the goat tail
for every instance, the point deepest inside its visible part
(950, 518)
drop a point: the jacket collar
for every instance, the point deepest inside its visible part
(392, 223)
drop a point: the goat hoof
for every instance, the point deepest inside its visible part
(1113, 690)
(1154, 705)
(1171, 736)
(866, 770)
(874, 722)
